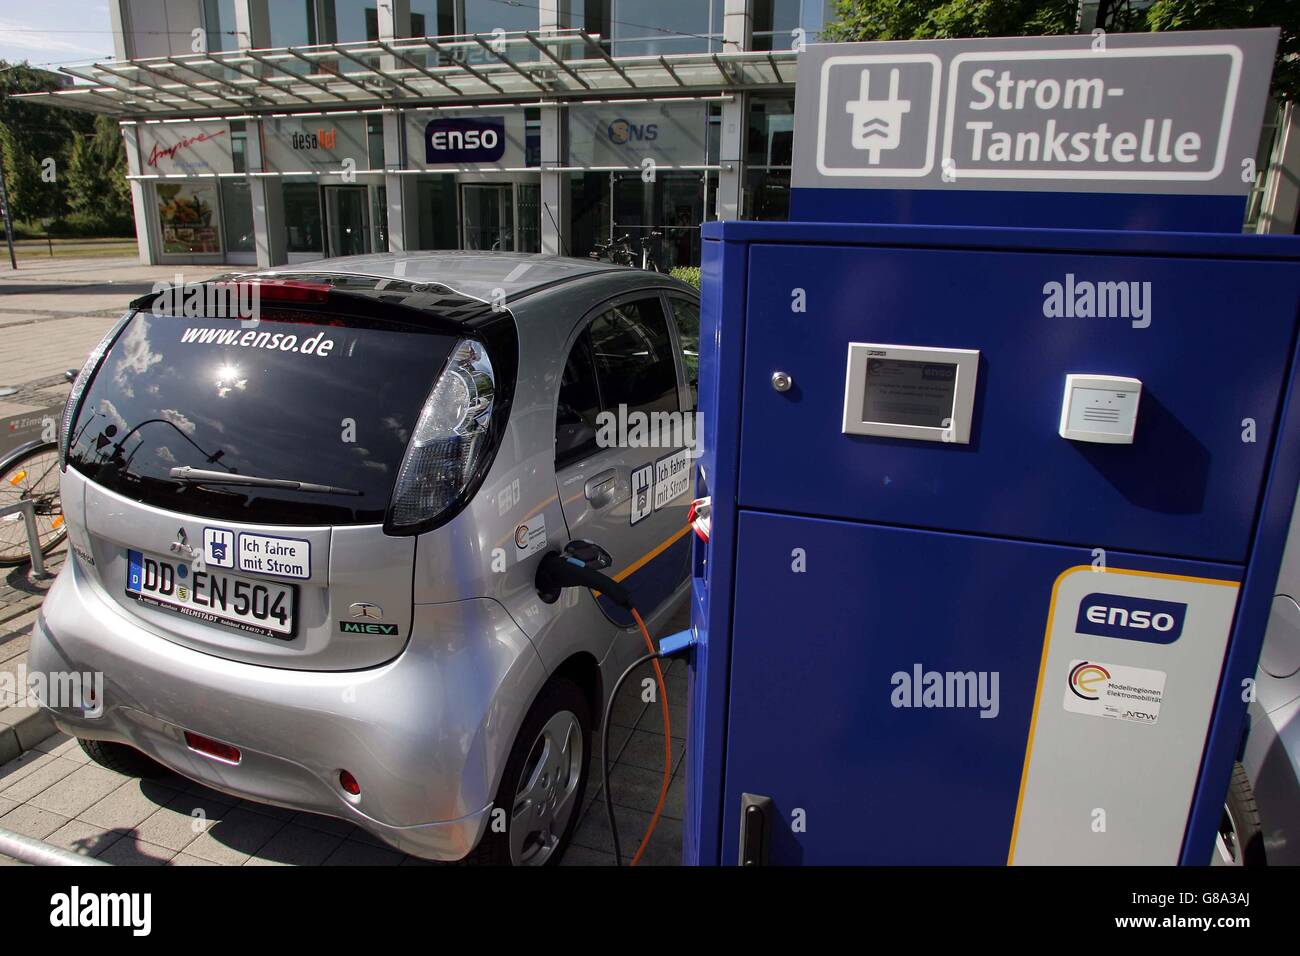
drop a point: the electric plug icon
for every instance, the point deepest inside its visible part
(877, 124)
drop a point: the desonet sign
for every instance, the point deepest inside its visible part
(1176, 113)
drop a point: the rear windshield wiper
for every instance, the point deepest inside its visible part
(198, 476)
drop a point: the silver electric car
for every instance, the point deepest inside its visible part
(306, 537)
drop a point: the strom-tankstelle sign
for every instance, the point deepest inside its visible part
(1149, 113)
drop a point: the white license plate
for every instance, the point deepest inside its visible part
(257, 607)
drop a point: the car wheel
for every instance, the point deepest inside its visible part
(543, 784)
(1241, 837)
(122, 759)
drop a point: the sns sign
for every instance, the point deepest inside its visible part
(1148, 113)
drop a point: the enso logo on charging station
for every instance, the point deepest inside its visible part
(1131, 618)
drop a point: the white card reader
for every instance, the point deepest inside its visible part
(1100, 408)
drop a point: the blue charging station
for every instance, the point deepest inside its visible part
(997, 509)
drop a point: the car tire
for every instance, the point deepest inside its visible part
(533, 791)
(1240, 841)
(122, 759)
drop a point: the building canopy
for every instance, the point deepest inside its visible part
(520, 67)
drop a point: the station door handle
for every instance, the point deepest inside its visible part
(756, 812)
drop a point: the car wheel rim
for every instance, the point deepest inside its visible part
(548, 789)
(1226, 843)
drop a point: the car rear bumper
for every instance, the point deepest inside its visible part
(425, 735)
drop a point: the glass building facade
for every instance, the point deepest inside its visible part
(263, 187)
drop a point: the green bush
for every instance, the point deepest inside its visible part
(28, 230)
(88, 226)
(688, 274)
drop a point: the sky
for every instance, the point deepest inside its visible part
(55, 31)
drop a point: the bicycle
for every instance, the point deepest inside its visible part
(647, 262)
(617, 251)
(30, 473)
(620, 252)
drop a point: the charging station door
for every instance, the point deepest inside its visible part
(911, 745)
(1006, 648)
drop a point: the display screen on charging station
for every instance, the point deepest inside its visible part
(900, 392)
(920, 393)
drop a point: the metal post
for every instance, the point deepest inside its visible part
(9, 223)
(28, 509)
(34, 541)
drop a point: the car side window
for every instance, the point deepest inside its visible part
(634, 359)
(575, 414)
(686, 315)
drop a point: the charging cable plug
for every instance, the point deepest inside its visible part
(557, 571)
(676, 643)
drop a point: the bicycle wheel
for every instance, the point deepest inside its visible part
(31, 474)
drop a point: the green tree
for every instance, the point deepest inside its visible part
(918, 19)
(95, 176)
(1232, 14)
(30, 198)
(40, 128)
(37, 133)
(109, 135)
(942, 19)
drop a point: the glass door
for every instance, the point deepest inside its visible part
(347, 216)
(489, 216)
(530, 217)
(237, 221)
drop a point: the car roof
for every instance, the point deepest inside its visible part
(482, 275)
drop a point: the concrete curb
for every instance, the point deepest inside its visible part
(21, 727)
(24, 733)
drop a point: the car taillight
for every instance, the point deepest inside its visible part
(279, 290)
(449, 439)
(226, 753)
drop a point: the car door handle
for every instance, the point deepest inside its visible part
(600, 488)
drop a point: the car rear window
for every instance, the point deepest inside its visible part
(299, 396)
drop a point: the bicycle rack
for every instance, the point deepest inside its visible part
(28, 509)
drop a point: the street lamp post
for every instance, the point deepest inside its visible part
(9, 223)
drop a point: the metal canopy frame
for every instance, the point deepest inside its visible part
(522, 67)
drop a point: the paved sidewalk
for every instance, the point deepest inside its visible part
(19, 591)
(54, 793)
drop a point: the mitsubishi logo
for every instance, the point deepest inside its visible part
(362, 609)
(181, 544)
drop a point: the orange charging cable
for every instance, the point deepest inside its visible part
(668, 741)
